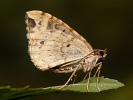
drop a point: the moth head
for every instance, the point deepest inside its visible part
(101, 53)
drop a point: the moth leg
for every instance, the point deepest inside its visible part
(86, 75)
(99, 64)
(82, 63)
(70, 77)
(84, 71)
(92, 68)
(75, 78)
(99, 67)
(88, 80)
(98, 70)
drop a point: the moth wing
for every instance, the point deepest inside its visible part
(52, 42)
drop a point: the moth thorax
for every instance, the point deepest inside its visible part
(90, 62)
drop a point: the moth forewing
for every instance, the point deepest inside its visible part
(61, 44)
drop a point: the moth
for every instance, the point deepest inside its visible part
(54, 46)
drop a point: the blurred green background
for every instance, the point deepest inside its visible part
(104, 23)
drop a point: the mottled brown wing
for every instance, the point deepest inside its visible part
(52, 42)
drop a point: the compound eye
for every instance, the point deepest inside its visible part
(101, 53)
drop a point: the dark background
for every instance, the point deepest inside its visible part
(104, 23)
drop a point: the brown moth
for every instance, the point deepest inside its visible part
(54, 46)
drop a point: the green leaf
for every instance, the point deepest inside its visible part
(103, 83)
(26, 93)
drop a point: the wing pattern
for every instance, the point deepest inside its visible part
(52, 42)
